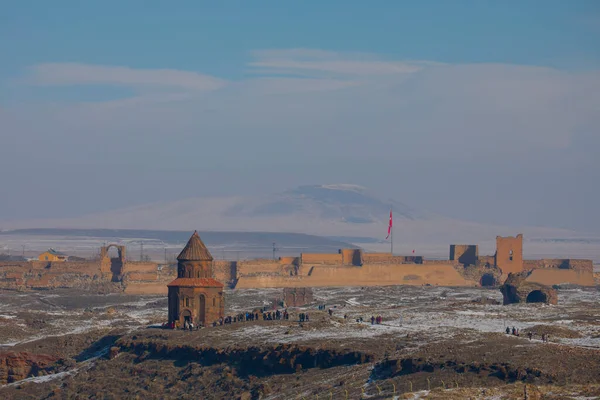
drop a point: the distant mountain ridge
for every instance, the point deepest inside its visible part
(342, 202)
(233, 239)
(339, 210)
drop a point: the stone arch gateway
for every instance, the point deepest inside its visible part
(536, 296)
(113, 266)
(488, 280)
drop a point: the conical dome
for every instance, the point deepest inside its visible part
(195, 250)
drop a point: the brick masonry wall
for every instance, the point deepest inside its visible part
(465, 254)
(225, 271)
(367, 275)
(559, 263)
(321, 259)
(561, 276)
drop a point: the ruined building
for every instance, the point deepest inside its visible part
(296, 297)
(113, 271)
(195, 296)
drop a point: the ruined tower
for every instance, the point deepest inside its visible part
(195, 296)
(509, 253)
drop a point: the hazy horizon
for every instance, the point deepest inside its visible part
(480, 112)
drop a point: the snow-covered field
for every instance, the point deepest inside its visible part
(440, 312)
(406, 310)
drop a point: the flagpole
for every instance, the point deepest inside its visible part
(391, 232)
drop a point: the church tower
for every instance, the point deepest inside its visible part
(195, 296)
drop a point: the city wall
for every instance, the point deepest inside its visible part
(348, 267)
(366, 275)
(562, 276)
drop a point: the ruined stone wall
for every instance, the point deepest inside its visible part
(142, 276)
(321, 259)
(140, 266)
(69, 266)
(465, 254)
(559, 263)
(352, 257)
(225, 271)
(289, 260)
(509, 254)
(561, 276)
(387, 258)
(440, 262)
(367, 275)
(296, 297)
(482, 275)
(486, 261)
(80, 274)
(581, 265)
(145, 287)
(259, 265)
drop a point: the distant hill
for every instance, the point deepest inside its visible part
(337, 210)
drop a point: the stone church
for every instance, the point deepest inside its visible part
(195, 296)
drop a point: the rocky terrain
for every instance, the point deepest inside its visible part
(433, 342)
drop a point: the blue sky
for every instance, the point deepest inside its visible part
(215, 37)
(485, 89)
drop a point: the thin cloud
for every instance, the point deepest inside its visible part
(306, 62)
(61, 74)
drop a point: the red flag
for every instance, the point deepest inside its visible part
(389, 226)
(413, 252)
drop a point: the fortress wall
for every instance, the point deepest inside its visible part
(142, 276)
(483, 260)
(225, 271)
(14, 264)
(367, 275)
(403, 274)
(252, 282)
(271, 266)
(559, 263)
(465, 254)
(140, 266)
(533, 264)
(561, 276)
(81, 267)
(321, 258)
(158, 288)
(386, 258)
(352, 256)
(14, 275)
(441, 262)
(258, 261)
(582, 265)
(289, 260)
(87, 267)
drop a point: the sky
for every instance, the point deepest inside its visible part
(481, 110)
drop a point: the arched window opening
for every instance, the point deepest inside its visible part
(214, 302)
(187, 302)
(510, 253)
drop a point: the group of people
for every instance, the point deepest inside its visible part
(545, 337)
(515, 332)
(254, 316)
(270, 316)
(276, 315)
(530, 335)
(304, 317)
(187, 325)
(238, 318)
